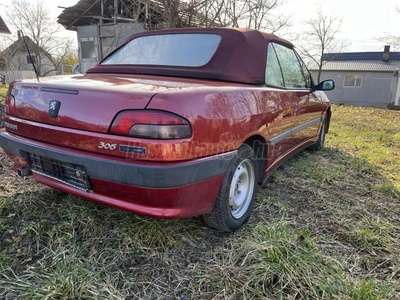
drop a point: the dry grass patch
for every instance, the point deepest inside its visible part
(326, 226)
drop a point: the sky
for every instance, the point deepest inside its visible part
(363, 21)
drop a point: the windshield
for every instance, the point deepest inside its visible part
(187, 50)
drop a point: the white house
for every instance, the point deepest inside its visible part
(363, 78)
(16, 63)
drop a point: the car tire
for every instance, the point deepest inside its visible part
(235, 199)
(321, 137)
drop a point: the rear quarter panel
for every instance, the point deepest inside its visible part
(223, 118)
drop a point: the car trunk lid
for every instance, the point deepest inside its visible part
(84, 102)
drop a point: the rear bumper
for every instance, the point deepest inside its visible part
(168, 190)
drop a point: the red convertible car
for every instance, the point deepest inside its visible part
(174, 123)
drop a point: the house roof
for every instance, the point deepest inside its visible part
(360, 61)
(360, 56)
(239, 57)
(3, 27)
(85, 12)
(360, 65)
(19, 46)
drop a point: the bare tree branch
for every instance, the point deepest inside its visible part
(34, 19)
(256, 14)
(320, 38)
(390, 39)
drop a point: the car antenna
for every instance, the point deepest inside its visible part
(30, 56)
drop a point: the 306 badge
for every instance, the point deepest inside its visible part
(107, 146)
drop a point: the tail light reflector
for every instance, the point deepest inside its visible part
(151, 124)
(9, 102)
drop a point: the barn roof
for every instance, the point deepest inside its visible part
(87, 12)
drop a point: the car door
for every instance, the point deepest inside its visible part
(279, 134)
(305, 107)
(310, 111)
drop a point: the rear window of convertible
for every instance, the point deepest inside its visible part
(186, 50)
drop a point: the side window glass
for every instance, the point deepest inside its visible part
(273, 73)
(291, 69)
(306, 72)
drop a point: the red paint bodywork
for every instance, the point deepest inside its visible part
(177, 202)
(223, 115)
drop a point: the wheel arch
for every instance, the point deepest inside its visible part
(260, 148)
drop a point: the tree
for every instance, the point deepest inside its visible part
(35, 22)
(70, 60)
(256, 14)
(390, 39)
(205, 12)
(320, 38)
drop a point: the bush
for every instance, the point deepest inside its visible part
(3, 92)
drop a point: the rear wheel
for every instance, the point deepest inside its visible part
(234, 202)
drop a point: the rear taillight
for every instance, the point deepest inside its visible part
(9, 102)
(151, 124)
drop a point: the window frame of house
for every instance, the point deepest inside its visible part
(31, 59)
(88, 49)
(357, 77)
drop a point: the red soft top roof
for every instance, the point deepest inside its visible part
(240, 57)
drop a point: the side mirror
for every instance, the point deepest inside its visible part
(326, 85)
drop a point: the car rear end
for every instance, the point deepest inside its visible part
(93, 136)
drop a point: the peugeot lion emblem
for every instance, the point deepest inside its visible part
(54, 107)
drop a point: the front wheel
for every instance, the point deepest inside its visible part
(234, 202)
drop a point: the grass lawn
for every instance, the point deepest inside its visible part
(326, 226)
